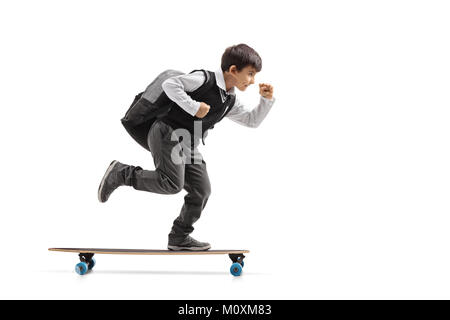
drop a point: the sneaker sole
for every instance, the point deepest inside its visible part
(102, 183)
(189, 248)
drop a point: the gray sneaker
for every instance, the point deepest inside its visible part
(188, 243)
(112, 179)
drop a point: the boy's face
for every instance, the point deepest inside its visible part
(243, 78)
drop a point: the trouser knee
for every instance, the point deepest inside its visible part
(172, 185)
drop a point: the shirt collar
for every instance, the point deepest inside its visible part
(220, 80)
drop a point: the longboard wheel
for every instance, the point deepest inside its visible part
(81, 268)
(236, 269)
(91, 264)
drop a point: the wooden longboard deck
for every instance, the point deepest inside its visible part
(145, 251)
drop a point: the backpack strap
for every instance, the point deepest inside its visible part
(205, 86)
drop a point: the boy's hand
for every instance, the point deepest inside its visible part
(203, 110)
(266, 90)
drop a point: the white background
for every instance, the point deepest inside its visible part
(341, 193)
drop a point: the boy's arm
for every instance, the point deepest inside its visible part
(252, 118)
(176, 88)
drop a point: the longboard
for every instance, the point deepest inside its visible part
(87, 262)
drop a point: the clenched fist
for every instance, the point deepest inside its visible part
(266, 90)
(203, 110)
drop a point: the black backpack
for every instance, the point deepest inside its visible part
(153, 104)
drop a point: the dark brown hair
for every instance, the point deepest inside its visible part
(241, 56)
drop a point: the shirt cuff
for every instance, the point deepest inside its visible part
(195, 107)
(268, 100)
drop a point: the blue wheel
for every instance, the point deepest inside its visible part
(81, 268)
(91, 264)
(236, 269)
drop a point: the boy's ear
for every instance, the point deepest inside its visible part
(232, 69)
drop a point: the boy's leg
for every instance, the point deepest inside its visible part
(198, 189)
(167, 178)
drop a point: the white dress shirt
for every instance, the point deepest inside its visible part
(176, 88)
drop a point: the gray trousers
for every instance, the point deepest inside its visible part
(187, 172)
